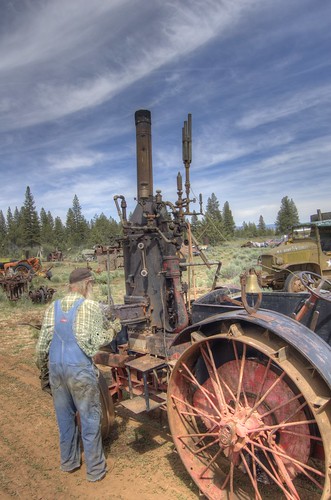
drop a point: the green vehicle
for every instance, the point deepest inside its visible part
(307, 248)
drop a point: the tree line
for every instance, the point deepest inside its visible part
(218, 225)
(24, 228)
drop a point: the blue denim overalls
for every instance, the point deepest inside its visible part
(75, 388)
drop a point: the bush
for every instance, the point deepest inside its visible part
(230, 271)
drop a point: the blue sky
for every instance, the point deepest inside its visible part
(255, 74)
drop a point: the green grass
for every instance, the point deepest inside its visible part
(235, 260)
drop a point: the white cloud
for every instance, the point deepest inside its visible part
(53, 41)
(73, 162)
(253, 73)
(285, 106)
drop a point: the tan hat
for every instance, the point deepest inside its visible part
(80, 274)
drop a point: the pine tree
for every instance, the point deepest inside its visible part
(3, 234)
(59, 234)
(245, 229)
(228, 221)
(195, 225)
(103, 230)
(70, 227)
(76, 225)
(213, 208)
(252, 230)
(211, 229)
(14, 229)
(287, 216)
(262, 228)
(46, 228)
(30, 221)
(10, 227)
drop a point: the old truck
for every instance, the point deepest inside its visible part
(307, 248)
(244, 376)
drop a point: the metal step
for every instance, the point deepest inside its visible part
(138, 403)
(145, 363)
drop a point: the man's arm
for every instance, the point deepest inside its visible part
(91, 331)
(45, 337)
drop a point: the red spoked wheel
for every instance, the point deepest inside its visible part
(245, 418)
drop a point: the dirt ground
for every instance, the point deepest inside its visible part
(141, 458)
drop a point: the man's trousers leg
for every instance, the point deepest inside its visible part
(66, 419)
(86, 395)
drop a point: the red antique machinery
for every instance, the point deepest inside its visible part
(246, 387)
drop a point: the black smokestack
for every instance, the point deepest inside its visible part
(144, 154)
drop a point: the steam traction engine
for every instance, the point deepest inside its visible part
(247, 389)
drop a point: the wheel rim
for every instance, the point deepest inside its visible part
(25, 270)
(294, 284)
(107, 408)
(242, 426)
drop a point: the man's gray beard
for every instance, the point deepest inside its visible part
(89, 292)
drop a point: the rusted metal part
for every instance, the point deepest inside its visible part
(312, 347)
(56, 256)
(250, 390)
(107, 407)
(14, 286)
(42, 295)
(109, 257)
(243, 414)
(26, 267)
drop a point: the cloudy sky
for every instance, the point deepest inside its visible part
(255, 74)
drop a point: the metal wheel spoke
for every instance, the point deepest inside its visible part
(267, 471)
(231, 479)
(203, 448)
(226, 480)
(280, 453)
(286, 421)
(286, 476)
(228, 388)
(304, 468)
(300, 434)
(241, 419)
(210, 432)
(196, 412)
(253, 479)
(240, 366)
(271, 465)
(193, 379)
(210, 463)
(275, 408)
(281, 425)
(199, 442)
(261, 399)
(258, 395)
(214, 377)
(198, 434)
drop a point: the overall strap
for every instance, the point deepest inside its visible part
(59, 313)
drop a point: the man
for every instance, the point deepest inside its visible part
(72, 332)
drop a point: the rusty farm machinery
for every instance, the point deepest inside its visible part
(16, 275)
(245, 377)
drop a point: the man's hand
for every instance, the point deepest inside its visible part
(44, 379)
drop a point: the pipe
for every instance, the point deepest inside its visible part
(144, 155)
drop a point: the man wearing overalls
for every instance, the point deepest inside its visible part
(71, 334)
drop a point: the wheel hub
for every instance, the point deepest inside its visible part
(236, 428)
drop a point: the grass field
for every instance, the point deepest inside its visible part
(234, 261)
